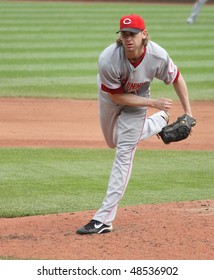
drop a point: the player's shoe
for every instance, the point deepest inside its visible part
(164, 115)
(190, 20)
(94, 227)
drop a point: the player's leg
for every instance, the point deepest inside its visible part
(195, 11)
(108, 114)
(154, 124)
(130, 125)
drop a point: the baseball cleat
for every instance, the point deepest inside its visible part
(190, 20)
(164, 115)
(94, 227)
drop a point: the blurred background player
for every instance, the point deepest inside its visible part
(195, 11)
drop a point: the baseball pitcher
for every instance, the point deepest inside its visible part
(126, 69)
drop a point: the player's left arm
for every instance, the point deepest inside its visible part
(182, 92)
(170, 74)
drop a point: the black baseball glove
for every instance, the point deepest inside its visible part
(177, 131)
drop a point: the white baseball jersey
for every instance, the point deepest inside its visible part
(117, 74)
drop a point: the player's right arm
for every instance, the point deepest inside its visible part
(129, 99)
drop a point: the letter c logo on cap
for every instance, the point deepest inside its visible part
(127, 21)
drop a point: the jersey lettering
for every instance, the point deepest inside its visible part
(133, 86)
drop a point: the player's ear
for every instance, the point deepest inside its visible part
(144, 34)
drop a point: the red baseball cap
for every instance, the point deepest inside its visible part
(132, 23)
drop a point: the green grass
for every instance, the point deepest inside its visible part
(41, 181)
(51, 49)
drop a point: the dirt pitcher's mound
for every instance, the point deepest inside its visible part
(163, 231)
